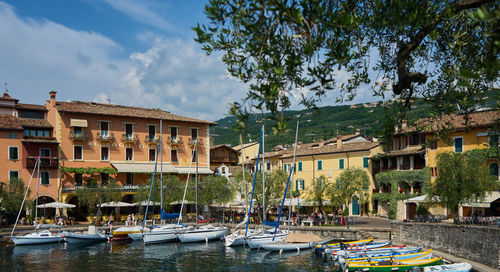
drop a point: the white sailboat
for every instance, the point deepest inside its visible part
(199, 233)
(34, 238)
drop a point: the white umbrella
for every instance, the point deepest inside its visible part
(116, 204)
(56, 205)
(145, 203)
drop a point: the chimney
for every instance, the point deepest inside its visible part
(6, 95)
(339, 140)
(358, 131)
(52, 97)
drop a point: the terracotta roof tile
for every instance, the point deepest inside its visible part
(9, 122)
(407, 151)
(221, 145)
(329, 149)
(23, 106)
(455, 122)
(39, 123)
(127, 111)
(239, 147)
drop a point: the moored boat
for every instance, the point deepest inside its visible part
(257, 240)
(201, 234)
(389, 266)
(123, 232)
(36, 238)
(287, 246)
(457, 267)
(336, 246)
(412, 256)
(375, 252)
(162, 234)
(90, 237)
(237, 238)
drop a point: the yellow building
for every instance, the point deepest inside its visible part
(247, 152)
(329, 159)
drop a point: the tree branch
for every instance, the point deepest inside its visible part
(405, 78)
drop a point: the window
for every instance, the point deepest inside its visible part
(36, 133)
(300, 166)
(365, 162)
(268, 166)
(173, 133)
(78, 179)
(152, 154)
(152, 132)
(493, 140)
(284, 167)
(494, 169)
(104, 129)
(13, 174)
(294, 167)
(104, 153)
(130, 179)
(13, 153)
(12, 135)
(45, 178)
(44, 152)
(129, 154)
(173, 155)
(78, 152)
(195, 156)
(194, 133)
(299, 184)
(434, 172)
(129, 130)
(320, 165)
(104, 178)
(341, 164)
(77, 131)
(458, 141)
(31, 114)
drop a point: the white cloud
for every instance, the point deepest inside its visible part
(39, 56)
(140, 12)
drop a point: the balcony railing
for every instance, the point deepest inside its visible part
(127, 188)
(174, 140)
(129, 138)
(223, 159)
(105, 137)
(82, 136)
(152, 140)
(193, 141)
(45, 163)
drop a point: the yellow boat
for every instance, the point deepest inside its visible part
(388, 266)
(321, 248)
(403, 257)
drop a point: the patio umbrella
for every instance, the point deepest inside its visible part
(116, 204)
(56, 205)
(145, 203)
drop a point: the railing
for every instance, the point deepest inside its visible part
(193, 141)
(129, 138)
(44, 162)
(152, 140)
(107, 137)
(127, 188)
(174, 140)
(223, 159)
(78, 136)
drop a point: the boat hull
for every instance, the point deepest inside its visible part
(137, 236)
(396, 266)
(201, 235)
(287, 246)
(84, 238)
(20, 240)
(457, 267)
(152, 237)
(256, 241)
(237, 238)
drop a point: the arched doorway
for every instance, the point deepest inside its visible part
(355, 205)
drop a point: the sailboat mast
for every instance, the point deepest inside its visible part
(263, 179)
(291, 186)
(196, 179)
(161, 168)
(37, 185)
(24, 198)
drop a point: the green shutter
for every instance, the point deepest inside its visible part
(297, 184)
(294, 167)
(300, 166)
(365, 162)
(45, 178)
(320, 165)
(458, 144)
(284, 167)
(341, 164)
(302, 185)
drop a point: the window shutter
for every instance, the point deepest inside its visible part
(341, 163)
(300, 166)
(365, 162)
(320, 165)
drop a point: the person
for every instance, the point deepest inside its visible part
(129, 221)
(60, 221)
(133, 220)
(320, 218)
(315, 218)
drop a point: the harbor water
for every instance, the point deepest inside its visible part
(134, 256)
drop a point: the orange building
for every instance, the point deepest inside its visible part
(25, 134)
(95, 135)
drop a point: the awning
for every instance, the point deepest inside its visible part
(492, 196)
(116, 204)
(78, 123)
(420, 199)
(303, 202)
(192, 170)
(142, 167)
(55, 205)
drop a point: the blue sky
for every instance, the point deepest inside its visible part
(138, 53)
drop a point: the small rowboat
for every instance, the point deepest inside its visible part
(336, 246)
(376, 252)
(357, 248)
(458, 267)
(287, 246)
(123, 232)
(388, 266)
(413, 256)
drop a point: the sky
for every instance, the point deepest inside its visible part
(137, 53)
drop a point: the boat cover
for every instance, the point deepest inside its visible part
(302, 238)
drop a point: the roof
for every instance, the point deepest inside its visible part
(23, 106)
(127, 111)
(39, 123)
(455, 122)
(242, 146)
(51, 140)
(9, 122)
(222, 145)
(6, 96)
(330, 149)
(411, 150)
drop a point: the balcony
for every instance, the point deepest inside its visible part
(174, 140)
(82, 136)
(105, 137)
(126, 188)
(45, 163)
(153, 140)
(129, 138)
(193, 141)
(223, 159)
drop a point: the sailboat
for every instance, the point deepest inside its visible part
(265, 236)
(163, 233)
(34, 238)
(199, 233)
